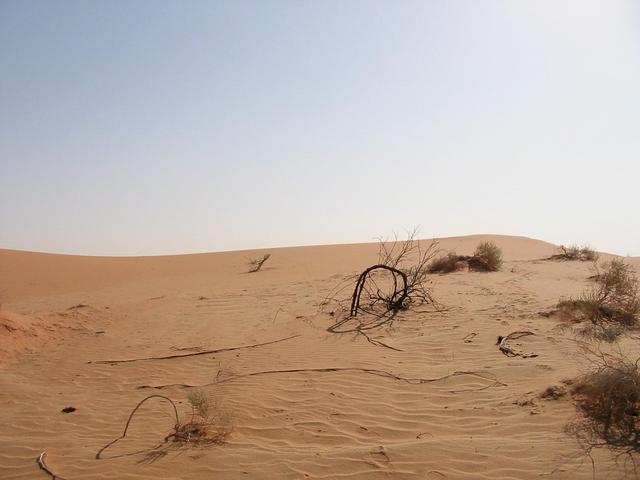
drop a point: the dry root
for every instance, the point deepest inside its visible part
(510, 352)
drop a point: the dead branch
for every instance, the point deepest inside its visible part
(126, 427)
(182, 355)
(369, 371)
(398, 280)
(378, 343)
(394, 302)
(508, 351)
(43, 465)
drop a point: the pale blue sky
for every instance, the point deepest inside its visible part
(153, 127)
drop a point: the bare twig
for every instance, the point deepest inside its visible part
(494, 382)
(373, 341)
(124, 433)
(206, 352)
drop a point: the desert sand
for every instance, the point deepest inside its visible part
(63, 316)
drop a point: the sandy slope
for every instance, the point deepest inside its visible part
(62, 314)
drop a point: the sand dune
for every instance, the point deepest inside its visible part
(323, 410)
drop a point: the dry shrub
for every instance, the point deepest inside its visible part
(576, 253)
(610, 306)
(206, 424)
(608, 403)
(554, 392)
(412, 259)
(448, 264)
(399, 280)
(255, 264)
(487, 257)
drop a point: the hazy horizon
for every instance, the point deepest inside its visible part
(163, 128)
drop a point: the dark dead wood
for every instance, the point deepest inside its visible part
(126, 427)
(494, 382)
(508, 351)
(205, 352)
(394, 302)
(43, 465)
(378, 343)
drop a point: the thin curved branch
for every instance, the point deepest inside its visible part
(126, 427)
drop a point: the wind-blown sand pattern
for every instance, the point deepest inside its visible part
(324, 411)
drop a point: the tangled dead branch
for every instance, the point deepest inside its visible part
(399, 280)
(393, 302)
(607, 399)
(487, 376)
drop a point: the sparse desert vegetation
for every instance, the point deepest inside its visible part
(205, 424)
(610, 306)
(255, 264)
(397, 280)
(576, 253)
(608, 403)
(448, 263)
(486, 258)
(260, 343)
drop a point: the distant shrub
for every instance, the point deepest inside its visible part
(447, 264)
(574, 252)
(255, 264)
(487, 257)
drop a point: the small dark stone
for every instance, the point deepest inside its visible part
(68, 409)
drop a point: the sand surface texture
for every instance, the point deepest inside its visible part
(308, 403)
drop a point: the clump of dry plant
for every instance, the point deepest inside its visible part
(255, 264)
(448, 263)
(608, 402)
(206, 425)
(610, 306)
(576, 253)
(203, 426)
(486, 258)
